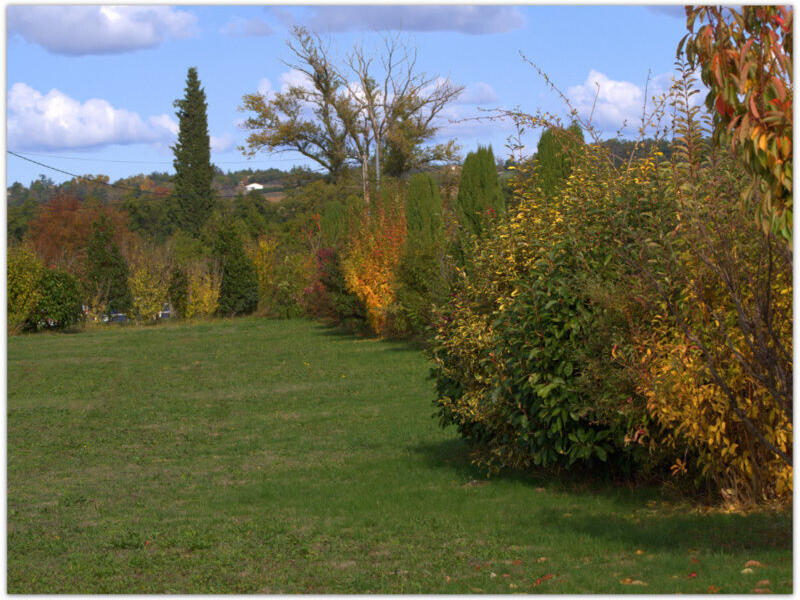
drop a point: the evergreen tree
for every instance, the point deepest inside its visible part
(238, 292)
(422, 284)
(479, 195)
(192, 200)
(107, 271)
(553, 160)
(423, 213)
(178, 291)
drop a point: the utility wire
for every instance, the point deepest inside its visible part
(90, 180)
(147, 162)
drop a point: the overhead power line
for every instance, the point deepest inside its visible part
(92, 180)
(147, 162)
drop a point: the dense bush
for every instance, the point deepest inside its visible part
(202, 298)
(238, 293)
(627, 319)
(24, 275)
(373, 254)
(148, 282)
(480, 199)
(59, 305)
(516, 346)
(106, 270)
(421, 281)
(178, 290)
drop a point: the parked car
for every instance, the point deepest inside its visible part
(165, 312)
(115, 318)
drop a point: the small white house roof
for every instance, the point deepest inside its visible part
(253, 186)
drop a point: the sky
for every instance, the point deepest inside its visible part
(101, 101)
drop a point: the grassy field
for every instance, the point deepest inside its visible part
(279, 456)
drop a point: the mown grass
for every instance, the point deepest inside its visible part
(278, 456)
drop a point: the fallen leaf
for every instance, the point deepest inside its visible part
(693, 559)
(762, 590)
(763, 583)
(692, 575)
(513, 586)
(753, 563)
(540, 489)
(506, 575)
(637, 582)
(712, 589)
(544, 578)
(517, 562)
(541, 559)
(640, 552)
(626, 581)
(447, 578)
(747, 571)
(492, 575)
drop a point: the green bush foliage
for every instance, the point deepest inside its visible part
(59, 305)
(554, 156)
(107, 270)
(178, 290)
(238, 293)
(480, 198)
(421, 283)
(524, 353)
(24, 274)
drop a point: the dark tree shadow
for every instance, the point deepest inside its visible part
(675, 524)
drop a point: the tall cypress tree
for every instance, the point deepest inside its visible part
(553, 157)
(479, 195)
(192, 199)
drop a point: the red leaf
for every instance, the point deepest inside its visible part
(692, 575)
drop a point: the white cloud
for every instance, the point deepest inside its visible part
(221, 143)
(621, 101)
(78, 30)
(295, 78)
(239, 27)
(54, 121)
(617, 102)
(265, 87)
(470, 19)
(478, 93)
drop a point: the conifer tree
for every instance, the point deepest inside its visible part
(107, 271)
(192, 199)
(479, 195)
(553, 160)
(238, 292)
(423, 213)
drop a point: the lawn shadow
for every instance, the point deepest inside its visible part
(661, 530)
(455, 456)
(635, 521)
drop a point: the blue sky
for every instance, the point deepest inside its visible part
(101, 101)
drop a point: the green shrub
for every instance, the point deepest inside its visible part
(515, 347)
(480, 199)
(554, 157)
(59, 305)
(178, 290)
(420, 273)
(238, 293)
(24, 274)
(107, 271)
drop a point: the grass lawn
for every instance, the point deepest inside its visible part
(278, 456)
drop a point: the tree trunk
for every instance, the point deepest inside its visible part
(365, 177)
(377, 163)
